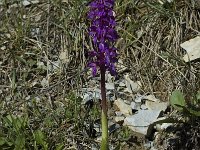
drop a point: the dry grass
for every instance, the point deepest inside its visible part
(152, 34)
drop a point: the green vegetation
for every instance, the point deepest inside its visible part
(191, 109)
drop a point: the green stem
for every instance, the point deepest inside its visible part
(104, 120)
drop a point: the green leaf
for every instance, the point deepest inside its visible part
(194, 112)
(177, 100)
(2, 141)
(167, 120)
(10, 118)
(20, 142)
(17, 124)
(39, 137)
(59, 146)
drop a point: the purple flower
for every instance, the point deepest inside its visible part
(103, 33)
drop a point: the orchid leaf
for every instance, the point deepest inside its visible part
(194, 112)
(177, 100)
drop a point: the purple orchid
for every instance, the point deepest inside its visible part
(103, 33)
(104, 55)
